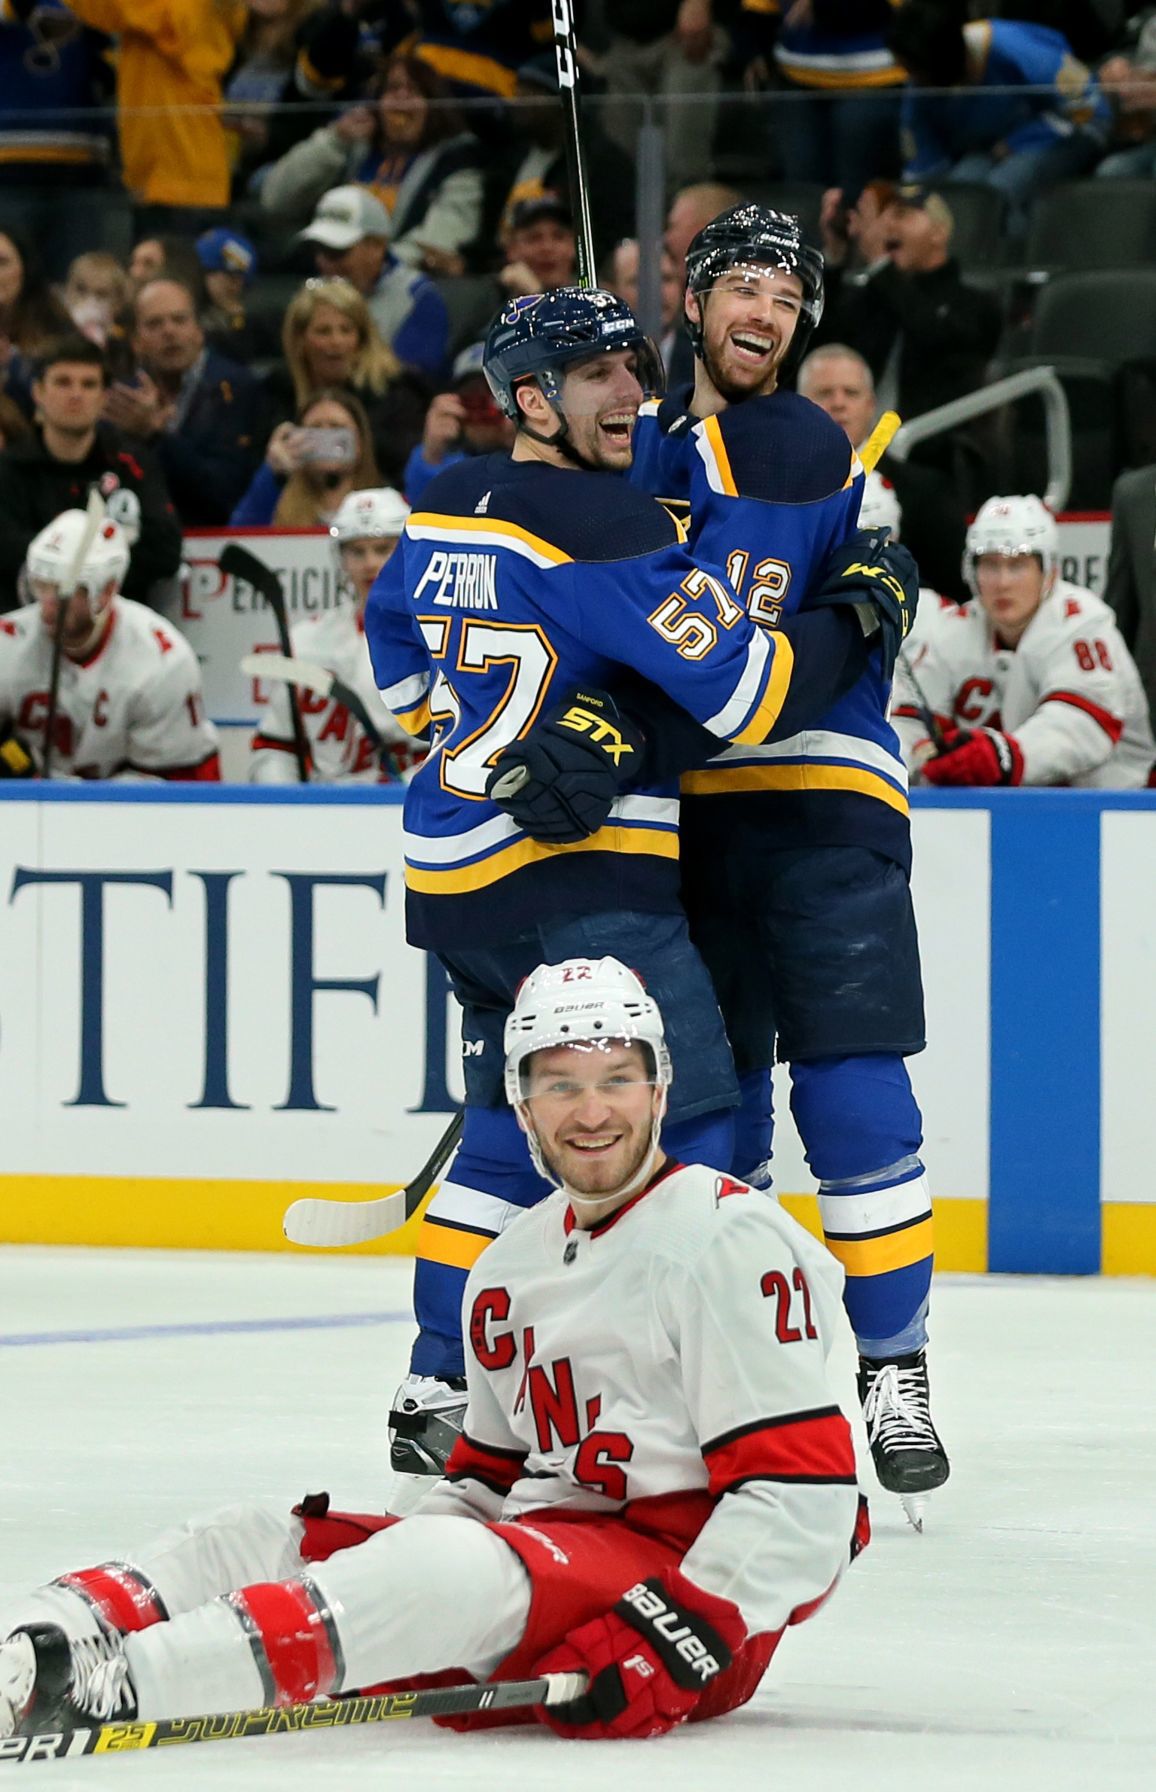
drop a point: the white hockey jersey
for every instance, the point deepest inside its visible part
(1069, 692)
(134, 708)
(340, 750)
(669, 1364)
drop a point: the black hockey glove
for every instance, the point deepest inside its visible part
(560, 782)
(15, 759)
(881, 580)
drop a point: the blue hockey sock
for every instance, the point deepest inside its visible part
(754, 1127)
(490, 1179)
(861, 1129)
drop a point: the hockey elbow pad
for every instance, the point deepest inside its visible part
(881, 580)
(560, 783)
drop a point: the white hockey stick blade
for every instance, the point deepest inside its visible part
(328, 1224)
(281, 668)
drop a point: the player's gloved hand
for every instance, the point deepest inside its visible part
(560, 781)
(649, 1660)
(880, 578)
(980, 756)
(15, 759)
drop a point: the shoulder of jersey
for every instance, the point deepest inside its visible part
(699, 1211)
(782, 449)
(582, 516)
(1071, 608)
(136, 622)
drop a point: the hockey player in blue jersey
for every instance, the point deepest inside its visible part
(797, 854)
(523, 578)
(796, 851)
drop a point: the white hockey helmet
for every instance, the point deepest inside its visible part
(1014, 525)
(77, 549)
(583, 1001)
(880, 506)
(378, 510)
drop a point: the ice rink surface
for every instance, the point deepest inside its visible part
(1012, 1646)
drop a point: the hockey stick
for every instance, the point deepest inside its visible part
(95, 513)
(130, 1736)
(566, 52)
(239, 563)
(328, 1224)
(878, 442)
(926, 714)
(312, 677)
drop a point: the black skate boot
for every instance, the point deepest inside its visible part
(52, 1683)
(424, 1425)
(909, 1458)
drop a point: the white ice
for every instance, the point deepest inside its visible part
(1013, 1645)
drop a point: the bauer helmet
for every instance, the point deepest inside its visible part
(78, 549)
(540, 336)
(880, 506)
(756, 236)
(583, 1001)
(374, 512)
(1015, 525)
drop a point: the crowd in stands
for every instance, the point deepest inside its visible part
(248, 248)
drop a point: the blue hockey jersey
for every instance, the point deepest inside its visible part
(772, 486)
(514, 584)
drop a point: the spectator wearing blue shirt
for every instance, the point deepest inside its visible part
(350, 233)
(1026, 114)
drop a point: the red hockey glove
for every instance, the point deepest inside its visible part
(648, 1660)
(982, 756)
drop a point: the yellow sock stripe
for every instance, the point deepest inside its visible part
(894, 1250)
(450, 1245)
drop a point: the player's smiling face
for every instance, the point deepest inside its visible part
(749, 320)
(592, 1107)
(600, 398)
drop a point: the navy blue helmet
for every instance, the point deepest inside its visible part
(756, 236)
(540, 336)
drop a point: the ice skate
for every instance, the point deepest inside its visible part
(51, 1682)
(425, 1423)
(909, 1458)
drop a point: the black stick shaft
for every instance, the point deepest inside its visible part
(566, 51)
(240, 563)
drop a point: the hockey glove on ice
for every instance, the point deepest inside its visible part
(880, 578)
(981, 756)
(649, 1660)
(560, 782)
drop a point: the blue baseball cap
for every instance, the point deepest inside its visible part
(224, 251)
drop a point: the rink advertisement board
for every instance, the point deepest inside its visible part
(207, 1009)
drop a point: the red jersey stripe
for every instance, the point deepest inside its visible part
(809, 1446)
(1113, 727)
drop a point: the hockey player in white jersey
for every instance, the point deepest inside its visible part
(364, 532)
(653, 1482)
(129, 701)
(1030, 682)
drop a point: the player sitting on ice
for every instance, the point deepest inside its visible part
(365, 531)
(128, 701)
(1030, 682)
(653, 1482)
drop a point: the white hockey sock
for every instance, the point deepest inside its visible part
(231, 1548)
(201, 1661)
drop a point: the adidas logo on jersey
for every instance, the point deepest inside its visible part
(482, 505)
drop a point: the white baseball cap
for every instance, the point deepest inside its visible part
(344, 216)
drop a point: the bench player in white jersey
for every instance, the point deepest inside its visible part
(129, 701)
(1030, 682)
(654, 1479)
(881, 509)
(365, 531)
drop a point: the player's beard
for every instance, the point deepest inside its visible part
(734, 391)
